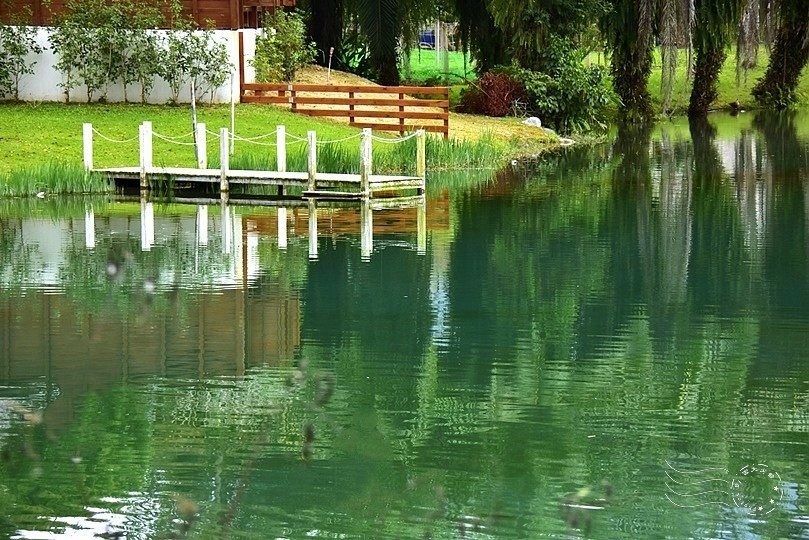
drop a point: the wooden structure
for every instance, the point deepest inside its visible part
(225, 14)
(386, 108)
(314, 183)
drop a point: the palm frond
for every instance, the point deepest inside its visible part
(378, 19)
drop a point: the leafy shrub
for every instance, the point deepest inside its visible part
(566, 94)
(493, 94)
(100, 43)
(281, 48)
(195, 56)
(16, 42)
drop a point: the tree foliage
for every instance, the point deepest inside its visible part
(481, 36)
(627, 31)
(789, 56)
(99, 44)
(16, 43)
(281, 48)
(532, 24)
(716, 23)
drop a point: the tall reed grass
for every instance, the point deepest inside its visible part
(388, 158)
(394, 157)
(53, 177)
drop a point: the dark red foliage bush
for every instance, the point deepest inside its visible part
(493, 94)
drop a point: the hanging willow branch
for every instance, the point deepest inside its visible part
(747, 41)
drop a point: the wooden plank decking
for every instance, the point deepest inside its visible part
(326, 184)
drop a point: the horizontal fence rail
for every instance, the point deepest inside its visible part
(386, 108)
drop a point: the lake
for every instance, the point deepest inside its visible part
(606, 342)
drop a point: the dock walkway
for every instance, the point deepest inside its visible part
(314, 183)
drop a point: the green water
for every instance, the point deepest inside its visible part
(608, 343)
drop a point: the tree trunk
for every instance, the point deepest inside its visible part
(387, 65)
(630, 79)
(326, 30)
(706, 72)
(628, 30)
(789, 57)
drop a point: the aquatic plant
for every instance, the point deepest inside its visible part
(52, 177)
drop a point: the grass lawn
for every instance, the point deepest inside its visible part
(425, 68)
(726, 85)
(36, 133)
(41, 144)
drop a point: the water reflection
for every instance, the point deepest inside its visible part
(520, 358)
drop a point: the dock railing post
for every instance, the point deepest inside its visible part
(281, 148)
(366, 230)
(224, 160)
(89, 228)
(312, 217)
(201, 139)
(421, 227)
(281, 153)
(87, 137)
(421, 154)
(145, 153)
(311, 139)
(365, 162)
(282, 228)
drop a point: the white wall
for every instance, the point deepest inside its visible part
(43, 85)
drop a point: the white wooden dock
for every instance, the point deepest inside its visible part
(314, 183)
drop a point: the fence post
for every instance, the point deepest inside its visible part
(366, 153)
(311, 138)
(401, 116)
(201, 139)
(224, 160)
(421, 154)
(87, 137)
(145, 152)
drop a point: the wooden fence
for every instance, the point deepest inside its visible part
(387, 108)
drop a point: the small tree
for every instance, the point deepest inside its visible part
(281, 48)
(68, 42)
(210, 65)
(175, 61)
(144, 61)
(16, 43)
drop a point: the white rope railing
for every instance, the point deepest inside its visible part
(253, 139)
(171, 140)
(337, 141)
(119, 141)
(296, 138)
(386, 140)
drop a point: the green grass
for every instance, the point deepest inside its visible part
(38, 133)
(424, 69)
(400, 158)
(41, 144)
(727, 89)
